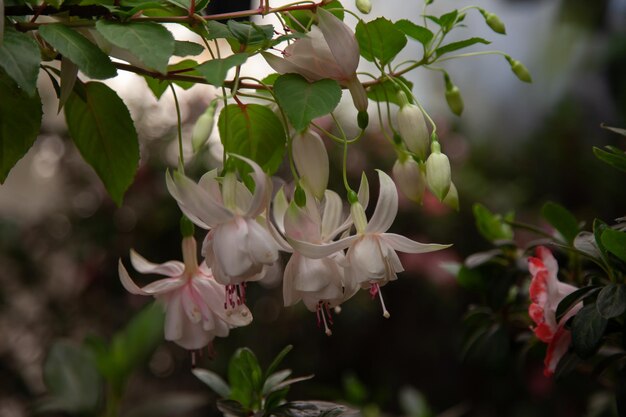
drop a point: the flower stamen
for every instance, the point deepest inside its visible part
(375, 289)
(321, 306)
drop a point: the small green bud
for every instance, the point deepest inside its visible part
(520, 70)
(186, 227)
(203, 127)
(364, 6)
(454, 100)
(352, 197)
(299, 196)
(397, 139)
(494, 22)
(363, 119)
(402, 98)
(438, 173)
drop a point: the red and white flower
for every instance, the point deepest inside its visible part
(194, 302)
(546, 292)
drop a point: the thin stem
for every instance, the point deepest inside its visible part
(181, 161)
(470, 54)
(345, 154)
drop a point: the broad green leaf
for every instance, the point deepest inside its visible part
(492, 226)
(20, 120)
(71, 44)
(277, 360)
(455, 46)
(185, 48)
(213, 380)
(250, 33)
(299, 20)
(612, 156)
(100, 126)
(216, 70)
(218, 30)
(448, 20)
(611, 300)
(574, 298)
(150, 42)
(73, 382)
(387, 91)
(615, 242)
(587, 330)
(157, 87)
(245, 378)
(69, 74)
(253, 131)
(470, 279)
(186, 66)
(20, 58)
(561, 219)
(417, 32)
(617, 130)
(379, 40)
(303, 101)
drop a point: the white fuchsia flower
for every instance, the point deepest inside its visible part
(329, 50)
(193, 301)
(371, 260)
(546, 292)
(237, 248)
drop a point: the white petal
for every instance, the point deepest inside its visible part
(331, 219)
(230, 248)
(300, 226)
(312, 274)
(311, 160)
(364, 191)
(262, 188)
(209, 182)
(340, 40)
(169, 269)
(196, 202)
(127, 282)
(283, 66)
(192, 310)
(290, 295)
(386, 207)
(367, 256)
(174, 317)
(279, 208)
(260, 244)
(404, 244)
(163, 286)
(314, 251)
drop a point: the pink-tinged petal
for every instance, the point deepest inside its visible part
(193, 336)
(311, 160)
(290, 295)
(262, 188)
(535, 311)
(386, 207)
(557, 348)
(314, 251)
(230, 248)
(261, 246)
(312, 274)
(196, 202)
(366, 255)
(209, 183)
(169, 269)
(189, 304)
(283, 66)
(404, 244)
(548, 260)
(300, 226)
(174, 318)
(127, 282)
(163, 286)
(539, 287)
(340, 40)
(331, 218)
(279, 209)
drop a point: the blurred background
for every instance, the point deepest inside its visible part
(515, 147)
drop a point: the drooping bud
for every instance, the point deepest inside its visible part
(520, 70)
(409, 178)
(438, 173)
(358, 217)
(363, 119)
(364, 6)
(359, 95)
(493, 21)
(453, 96)
(203, 127)
(311, 160)
(412, 128)
(452, 198)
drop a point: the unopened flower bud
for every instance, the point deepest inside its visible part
(438, 173)
(412, 128)
(409, 178)
(494, 22)
(358, 217)
(359, 95)
(203, 127)
(311, 160)
(364, 6)
(520, 70)
(452, 198)
(454, 99)
(363, 119)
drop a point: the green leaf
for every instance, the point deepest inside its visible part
(245, 377)
(218, 30)
(20, 120)
(455, 46)
(387, 91)
(379, 40)
(273, 380)
(587, 330)
(417, 32)
(278, 359)
(562, 220)
(69, 75)
(470, 279)
(615, 242)
(185, 48)
(216, 70)
(299, 19)
(303, 101)
(448, 20)
(71, 44)
(250, 33)
(611, 300)
(617, 130)
(574, 298)
(253, 131)
(213, 380)
(100, 126)
(73, 382)
(492, 226)
(612, 156)
(20, 58)
(150, 42)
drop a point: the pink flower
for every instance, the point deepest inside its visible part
(194, 302)
(546, 292)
